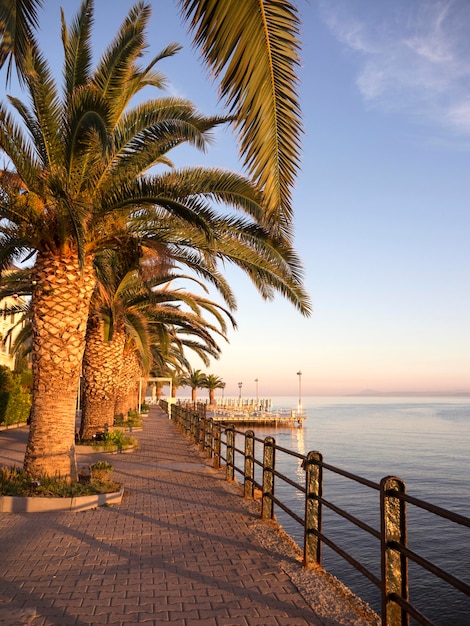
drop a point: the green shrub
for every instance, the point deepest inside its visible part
(101, 465)
(133, 420)
(115, 439)
(27, 379)
(15, 403)
(15, 482)
(6, 379)
(100, 472)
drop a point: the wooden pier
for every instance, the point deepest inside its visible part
(286, 418)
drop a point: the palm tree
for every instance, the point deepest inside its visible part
(252, 48)
(77, 174)
(195, 379)
(176, 382)
(212, 382)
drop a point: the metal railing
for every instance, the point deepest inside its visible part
(218, 441)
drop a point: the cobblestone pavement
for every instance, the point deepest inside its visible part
(179, 549)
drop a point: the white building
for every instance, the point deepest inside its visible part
(9, 321)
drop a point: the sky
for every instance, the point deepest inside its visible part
(382, 221)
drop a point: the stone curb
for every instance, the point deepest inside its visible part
(18, 504)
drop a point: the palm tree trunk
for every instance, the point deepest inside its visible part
(101, 365)
(59, 311)
(127, 391)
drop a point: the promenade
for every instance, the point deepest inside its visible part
(183, 548)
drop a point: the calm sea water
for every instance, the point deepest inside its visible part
(423, 441)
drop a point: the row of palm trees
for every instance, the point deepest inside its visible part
(193, 378)
(198, 380)
(91, 199)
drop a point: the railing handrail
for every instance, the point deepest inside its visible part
(396, 606)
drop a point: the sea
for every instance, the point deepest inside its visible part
(423, 441)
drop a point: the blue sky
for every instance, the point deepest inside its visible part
(381, 203)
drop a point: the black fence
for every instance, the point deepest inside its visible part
(220, 442)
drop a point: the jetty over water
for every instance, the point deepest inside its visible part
(249, 411)
(284, 417)
(183, 547)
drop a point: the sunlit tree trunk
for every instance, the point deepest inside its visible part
(127, 392)
(59, 311)
(101, 367)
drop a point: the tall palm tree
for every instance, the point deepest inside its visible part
(78, 171)
(252, 49)
(212, 382)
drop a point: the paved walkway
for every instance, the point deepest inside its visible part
(182, 548)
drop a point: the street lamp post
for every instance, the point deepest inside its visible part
(257, 399)
(299, 408)
(240, 385)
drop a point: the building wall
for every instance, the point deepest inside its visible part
(7, 321)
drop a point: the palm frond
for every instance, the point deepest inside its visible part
(148, 77)
(146, 133)
(76, 42)
(46, 108)
(15, 144)
(253, 46)
(18, 23)
(117, 65)
(87, 135)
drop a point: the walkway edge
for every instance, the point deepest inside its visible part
(328, 597)
(19, 504)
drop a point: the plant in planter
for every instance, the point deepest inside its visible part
(16, 482)
(101, 471)
(116, 439)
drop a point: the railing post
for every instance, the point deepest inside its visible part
(230, 466)
(194, 425)
(267, 503)
(249, 473)
(209, 436)
(394, 564)
(313, 508)
(217, 445)
(201, 438)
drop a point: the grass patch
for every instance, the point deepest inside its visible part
(15, 482)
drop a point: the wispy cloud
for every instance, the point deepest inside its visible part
(410, 56)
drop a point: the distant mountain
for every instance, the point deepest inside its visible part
(432, 394)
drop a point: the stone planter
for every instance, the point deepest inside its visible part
(83, 449)
(17, 504)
